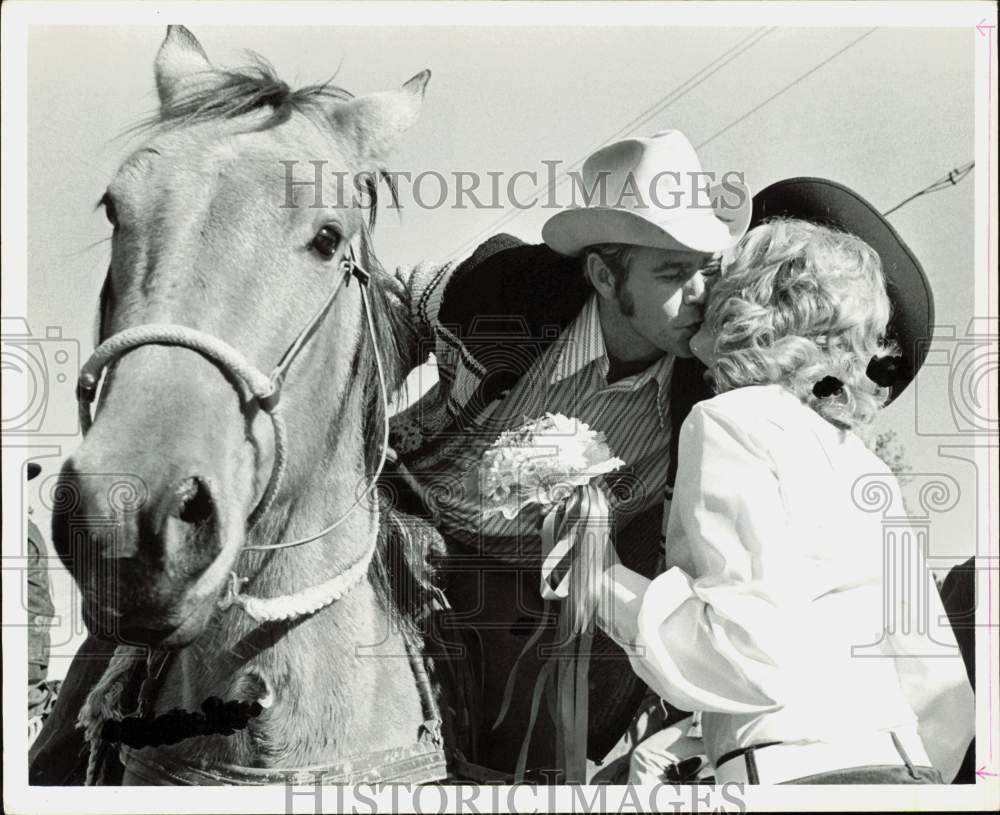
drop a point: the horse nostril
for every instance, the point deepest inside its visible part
(194, 502)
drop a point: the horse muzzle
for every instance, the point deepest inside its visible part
(142, 548)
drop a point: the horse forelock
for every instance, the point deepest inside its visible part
(229, 94)
(226, 93)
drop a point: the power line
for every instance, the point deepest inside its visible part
(950, 180)
(787, 87)
(686, 87)
(672, 96)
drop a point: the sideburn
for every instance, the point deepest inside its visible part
(624, 298)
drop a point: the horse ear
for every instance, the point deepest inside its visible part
(178, 63)
(374, 123)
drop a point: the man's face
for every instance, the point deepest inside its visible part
(663, 299)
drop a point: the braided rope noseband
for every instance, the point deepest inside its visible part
(266, 390)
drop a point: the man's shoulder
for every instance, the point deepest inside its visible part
(529, 285)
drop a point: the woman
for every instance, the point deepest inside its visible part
(769, 619)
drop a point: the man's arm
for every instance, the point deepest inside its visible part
(417, 291)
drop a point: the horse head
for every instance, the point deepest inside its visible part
(229, 221)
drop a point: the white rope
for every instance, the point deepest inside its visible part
(261, 386)
(266, 389)
(311, 600)
(302, 603)
(172, 334)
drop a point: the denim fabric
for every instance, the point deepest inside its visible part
(876, 774)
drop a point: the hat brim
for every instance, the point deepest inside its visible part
(571, 231)
(828, 203)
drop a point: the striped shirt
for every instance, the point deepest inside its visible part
(569, 377)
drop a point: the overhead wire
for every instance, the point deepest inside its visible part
(953, 177)
(672, 96)
(786, 88)
(700, 76)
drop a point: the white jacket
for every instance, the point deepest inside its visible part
(777, 616)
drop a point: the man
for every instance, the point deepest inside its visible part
(590, 325)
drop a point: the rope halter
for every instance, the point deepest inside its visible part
(265, 388)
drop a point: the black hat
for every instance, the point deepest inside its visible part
(831, 204)
(33, 470)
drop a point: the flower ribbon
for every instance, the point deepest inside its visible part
(576, 547)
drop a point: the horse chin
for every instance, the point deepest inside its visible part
(182, 636)
(157, 631)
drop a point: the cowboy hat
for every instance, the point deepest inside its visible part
(828, 203)
(651, 192)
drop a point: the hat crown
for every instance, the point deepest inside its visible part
(661, 172)
(651, 192)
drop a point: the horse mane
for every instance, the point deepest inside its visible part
(401, 570)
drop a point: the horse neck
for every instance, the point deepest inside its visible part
(323, 671)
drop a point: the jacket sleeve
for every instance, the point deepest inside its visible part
(420, 289)
(719, 643)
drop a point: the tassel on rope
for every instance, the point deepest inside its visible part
(104, 703)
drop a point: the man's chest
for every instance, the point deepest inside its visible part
(629, 419)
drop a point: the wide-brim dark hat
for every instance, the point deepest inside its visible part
(831, 204)
(33, 470)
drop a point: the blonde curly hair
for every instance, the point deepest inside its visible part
(800, 302)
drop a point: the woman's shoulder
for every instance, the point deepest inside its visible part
(744, 416)
(772, 418)
(767, 406)
(754, 407)
(765, 416)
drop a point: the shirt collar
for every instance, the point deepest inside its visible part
(582, 343)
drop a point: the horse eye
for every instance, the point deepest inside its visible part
(109, 209)
(326, 242)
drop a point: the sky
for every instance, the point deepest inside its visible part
(884, 111)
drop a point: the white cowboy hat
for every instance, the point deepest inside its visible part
(653, 192)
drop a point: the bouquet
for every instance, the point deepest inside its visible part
(542, 462)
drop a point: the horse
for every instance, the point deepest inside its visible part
(218, 520)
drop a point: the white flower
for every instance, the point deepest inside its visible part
(542, 462)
